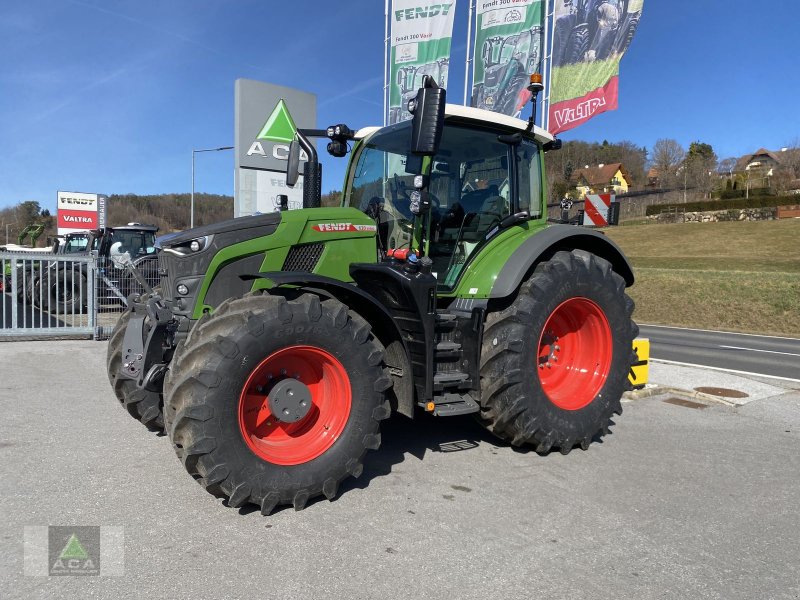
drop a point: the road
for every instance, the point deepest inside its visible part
(772, 356)
(678, 502)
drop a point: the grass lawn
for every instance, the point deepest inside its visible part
(736, 276)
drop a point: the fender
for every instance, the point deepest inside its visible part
(383, 323)
(546, 243)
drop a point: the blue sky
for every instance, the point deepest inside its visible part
(111, 96)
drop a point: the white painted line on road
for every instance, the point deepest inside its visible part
(776, 337)
(754, 350)
(683, 364)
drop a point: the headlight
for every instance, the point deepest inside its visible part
(190, 246)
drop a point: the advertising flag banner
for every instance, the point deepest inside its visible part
(508, 48)
(420, 45)
(589, 39)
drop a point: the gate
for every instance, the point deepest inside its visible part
(47, 295)
(113, 284)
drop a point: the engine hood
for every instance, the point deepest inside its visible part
(241, 224)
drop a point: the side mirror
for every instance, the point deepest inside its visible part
(293, 164)
(428, 122)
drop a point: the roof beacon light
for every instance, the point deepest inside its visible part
(534, 87)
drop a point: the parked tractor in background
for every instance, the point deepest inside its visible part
(62, 287)
(276, 344)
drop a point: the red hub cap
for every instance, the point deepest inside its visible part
(300, 432)
(575, 352)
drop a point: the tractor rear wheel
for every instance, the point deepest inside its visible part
(276, 401)
(142, 405)
(555, 363)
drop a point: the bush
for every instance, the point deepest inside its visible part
(737, 203)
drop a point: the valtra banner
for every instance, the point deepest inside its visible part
(508, 48)
(589, 39)
(420, 45)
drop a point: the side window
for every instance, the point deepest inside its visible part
(530, 179)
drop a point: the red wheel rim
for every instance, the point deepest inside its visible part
(295, 443)
(575, 352)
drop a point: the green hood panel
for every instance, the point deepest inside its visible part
(479, 275)
(348, 235)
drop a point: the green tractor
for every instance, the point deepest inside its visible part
(277, 343)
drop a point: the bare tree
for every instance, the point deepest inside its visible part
(667, 156)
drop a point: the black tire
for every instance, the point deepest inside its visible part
(223, 351)
(143, 405)
(514, 405)
(68, 290)
(561, 37)
(625, 36)
(578, 45)
(511, 94)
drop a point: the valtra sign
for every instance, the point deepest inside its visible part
(79, 211)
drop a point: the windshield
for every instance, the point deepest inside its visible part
(470, 191)
(135, 243)
(76, 244)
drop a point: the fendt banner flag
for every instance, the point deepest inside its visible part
(420, 45)
(78, 211)
(508, 48)
(589, 39)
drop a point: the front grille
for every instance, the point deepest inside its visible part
(163, 270)
(303, 257)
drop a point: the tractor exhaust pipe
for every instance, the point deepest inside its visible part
(312, 173)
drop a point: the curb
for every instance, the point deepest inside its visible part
(654, 389)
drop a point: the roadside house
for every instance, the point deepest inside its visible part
(602, 179)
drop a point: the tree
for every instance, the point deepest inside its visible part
(699, 166)
(726, 165)
(668, 157)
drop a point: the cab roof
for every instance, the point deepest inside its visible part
(477, 115)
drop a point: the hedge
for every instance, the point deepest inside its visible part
(704, 205)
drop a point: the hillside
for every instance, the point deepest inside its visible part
(736, 276)
(169, 211)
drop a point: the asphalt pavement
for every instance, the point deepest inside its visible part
(766, 355)
(694, 500)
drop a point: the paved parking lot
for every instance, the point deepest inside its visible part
(678, 502)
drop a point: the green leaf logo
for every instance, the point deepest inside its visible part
(280, 126)
(73, 549)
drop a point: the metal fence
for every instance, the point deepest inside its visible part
(58, 296)
(46, 295)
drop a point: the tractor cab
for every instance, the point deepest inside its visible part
(136, 240)
(486, 169)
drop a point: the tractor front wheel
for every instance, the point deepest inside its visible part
(276, 401)
(555, 363)
(143, 405)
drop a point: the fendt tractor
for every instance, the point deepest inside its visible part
(276, 344)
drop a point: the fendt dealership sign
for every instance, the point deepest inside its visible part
(266, 119)
(78, 211)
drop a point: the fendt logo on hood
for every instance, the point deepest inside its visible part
(280, 129)
(422, 12)
(337, 227)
